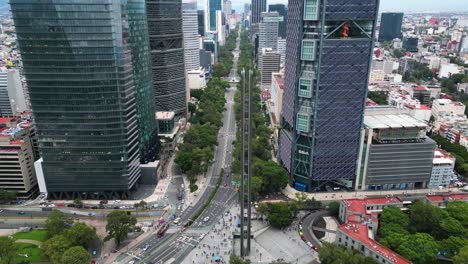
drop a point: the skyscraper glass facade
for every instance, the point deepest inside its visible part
(215, 5)
(167, 55)
(328, 56)
(283, 12)
(77, 58)
(390, 26)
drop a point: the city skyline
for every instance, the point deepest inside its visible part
(385, 5)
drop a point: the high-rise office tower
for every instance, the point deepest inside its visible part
(258, 6)
(167, 54)
(282, 12)
(211, 6)
(89, 79)
(390, 26)
(201, 22)
(268, 34)
(190, 28)
(270, 64)
(227, 9)
(328, 54)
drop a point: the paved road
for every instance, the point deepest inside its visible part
(174, 246)
(307, 223)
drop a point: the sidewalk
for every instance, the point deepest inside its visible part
(330, 196)
(331, 224)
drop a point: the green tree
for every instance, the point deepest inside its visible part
(141, 204)
(76, 255)
(7, 196)
(81, 234)
(56, 223)
(462, 256)
(279, 215)
(55, 247)
(7, 250)
(459, 211)
(452, 245)
(398, 53)
(334, 208)
(394, 215)
(451, 226)
(333, 254)
(233, 259)
(420, 248)
(198, 93)
(191, 108)
(119, 224)
(425, 217)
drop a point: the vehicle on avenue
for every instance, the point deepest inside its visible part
(206, 219)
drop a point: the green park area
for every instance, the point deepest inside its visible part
(38, 235)
(26, 252)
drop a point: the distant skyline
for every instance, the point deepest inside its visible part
(386, 5)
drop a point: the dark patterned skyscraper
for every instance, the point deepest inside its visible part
(167, 55)
(258, 6)
(390, 26)
(89, 76)
(328, 53)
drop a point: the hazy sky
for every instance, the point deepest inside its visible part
(392, 5)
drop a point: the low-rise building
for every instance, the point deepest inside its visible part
(442, 169)
(17, 173)
(422, 94)
(443, 107)
(360, 223)
(196, 79)
(277, 89)
(395, 152)
(447, 70)
(441, 200)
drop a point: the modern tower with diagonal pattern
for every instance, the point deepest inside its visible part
(328, 53)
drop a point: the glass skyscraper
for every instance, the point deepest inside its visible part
(86, 64)
(167, 55)
(328, 53)
(215, 5)
(390, 26)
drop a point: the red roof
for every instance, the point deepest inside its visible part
(450, 197)
(359, 232)
(420, 88)
(444, 153)
(6, 119)
(280, 81)
(16, 142)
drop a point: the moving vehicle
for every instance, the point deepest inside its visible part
(177, 220)
(206, 219)
(162, 230)
(314, 247)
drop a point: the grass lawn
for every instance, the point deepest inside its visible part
(34, 253)
(39, 235)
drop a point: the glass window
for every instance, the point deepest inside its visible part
(308, 50)
(302, 123)
(305, 88)
(311, 10)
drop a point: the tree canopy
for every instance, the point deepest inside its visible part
(119, 224)
(55, 247)
(56, 222)
(333, 254)
(7, 250)
(76, 255)
(81, 234)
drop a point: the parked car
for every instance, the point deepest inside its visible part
(206, 219)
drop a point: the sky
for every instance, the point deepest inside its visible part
(391, 5)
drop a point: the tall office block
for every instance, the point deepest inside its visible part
(211, 6)
(167, 54)
(258, 6)
(390, 26)
(267, 34)
(190, 28)
(89, 82)
(282, 12)
(270, 64)
(227, 9)
(12, 97)
(328, 54)
(201, 22)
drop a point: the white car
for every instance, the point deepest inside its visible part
(206, 219)
(145, 247)
(182, 186)
(131, 262)
(309, 244)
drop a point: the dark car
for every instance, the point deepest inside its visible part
(21, 213)
(103, 202)
(116, 207)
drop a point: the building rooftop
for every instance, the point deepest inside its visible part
(420, 88)
(359, 232)
(392, 121)
(164, 115)
(450, 197)
(356, 225)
